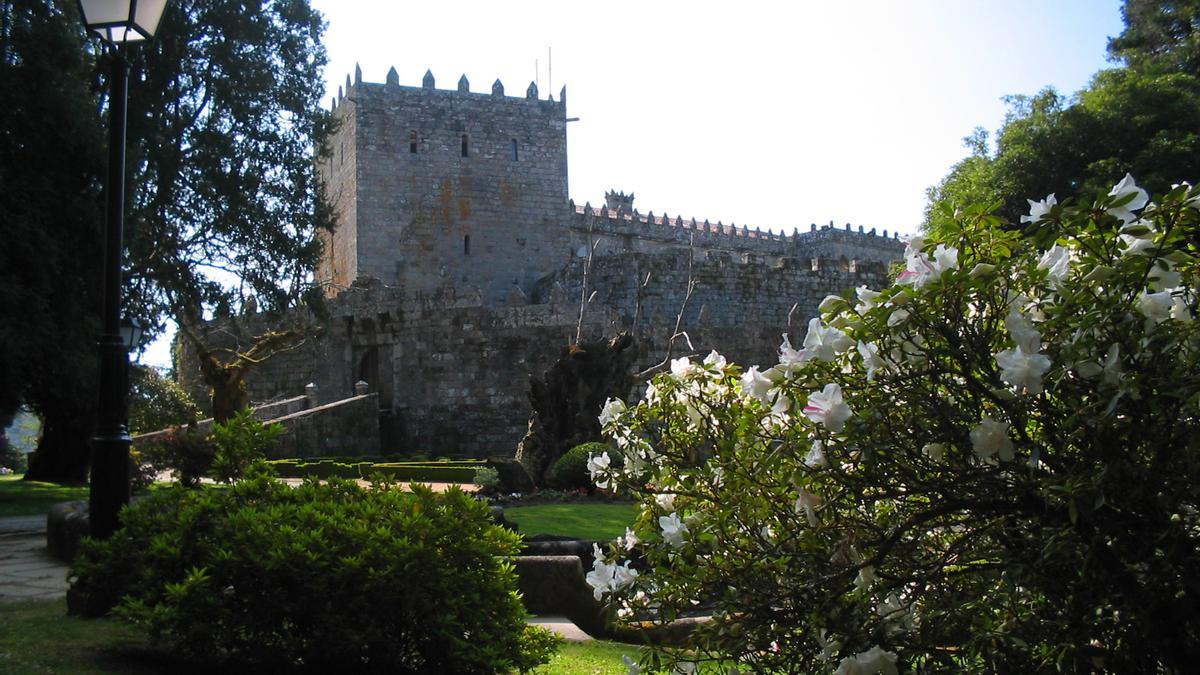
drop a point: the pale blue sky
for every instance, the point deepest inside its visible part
(770, 114)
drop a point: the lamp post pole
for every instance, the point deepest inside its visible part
(110, 444)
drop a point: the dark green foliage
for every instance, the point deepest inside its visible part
(157, 402)
(570, 471)
(1160, 35)
(51, 169)
(453, 471)
(224, 116)
(329, 576)
(183, 450)
(10, 457)
(240, 442)
(1143, 119)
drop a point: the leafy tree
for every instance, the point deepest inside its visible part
(1124, 122)
(224, 116)
(952, 474)
(1160, 35)
(51, 170)
(1143, 119)
(156, 401)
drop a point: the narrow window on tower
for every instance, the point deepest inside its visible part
(464, 146)
(412, 142)
(514, 149)
(466, 244)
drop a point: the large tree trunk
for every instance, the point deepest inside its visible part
(229, 395)
(568, 398)
(63, 454)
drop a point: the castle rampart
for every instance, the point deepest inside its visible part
(457, 265)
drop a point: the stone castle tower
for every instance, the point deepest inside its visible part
(456, 269)
(434, 187)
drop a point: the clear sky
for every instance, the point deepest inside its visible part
(772, 114)
(768, 114)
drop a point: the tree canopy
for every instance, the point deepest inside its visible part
(1142, 119)
(222, 201)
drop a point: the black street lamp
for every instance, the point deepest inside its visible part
(118, 22)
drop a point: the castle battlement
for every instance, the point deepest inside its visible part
(428, 88)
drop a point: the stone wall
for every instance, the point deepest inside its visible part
(346, 427)
(452, 374)
(447, 187)
(343, 427)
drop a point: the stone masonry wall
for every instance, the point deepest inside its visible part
(451, 374)
(448, 186)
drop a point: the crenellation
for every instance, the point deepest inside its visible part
(455, 271)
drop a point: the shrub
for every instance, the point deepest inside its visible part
(488, 479)
(570, 472)
(11, 458)
(185, 451)
(329, 576)
(240, 441)
(990, 466)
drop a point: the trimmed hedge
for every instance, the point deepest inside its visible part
(460, 471)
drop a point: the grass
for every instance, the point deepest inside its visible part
(582, 521)
(39, 637)
(31, 498)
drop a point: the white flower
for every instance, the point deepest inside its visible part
(874, 661)
(1161, 279)
(807, 503)
(665, 501)
(991, 437)
(897, 317)
(1024, 335)
(866, 577)
(715, 361)
(791, 359)
(826, 407)
(613, 407)
(1057, 262)
(824, 343)
(982, 269)
(597, 466)
(872, 361)
(1038, 210)
(920, 269)
(829, 648)
(1023, 370)
(682, 367)
(629, 541)
(934, 451)
(1123, 189)
(607, 577)
(1138, 237)
(1156, 306)
(815, 459)
(765, 388)
(1180, 311)
(673, 529)
(830, 302)
(757, 384)
(866, 299)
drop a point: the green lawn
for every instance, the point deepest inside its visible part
(31, 498)
(582, 521)
(38, 637)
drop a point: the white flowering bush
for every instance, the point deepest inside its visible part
(991, 466)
